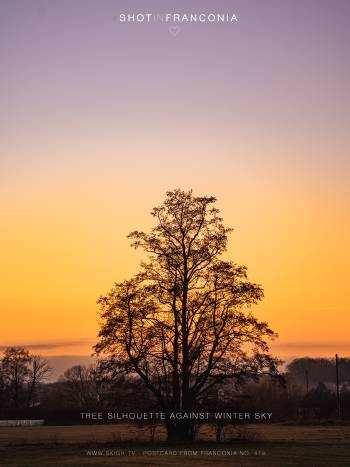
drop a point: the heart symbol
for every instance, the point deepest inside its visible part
(174, 30)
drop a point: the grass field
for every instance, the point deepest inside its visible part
(258, 445)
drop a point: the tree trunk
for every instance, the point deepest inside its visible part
(180, 430)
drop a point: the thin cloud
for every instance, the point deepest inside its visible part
(329, 308)
(51, 345)
(312, 345)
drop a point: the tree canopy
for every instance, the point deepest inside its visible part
(183, 324)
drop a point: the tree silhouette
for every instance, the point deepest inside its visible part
(81, 385)
(20, 374)
(181, 323)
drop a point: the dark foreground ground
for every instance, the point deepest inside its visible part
(264, 445)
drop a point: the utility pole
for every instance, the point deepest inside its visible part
(307, 381)
(337, 381)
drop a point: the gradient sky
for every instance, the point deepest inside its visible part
(99, 119)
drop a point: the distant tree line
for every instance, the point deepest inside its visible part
(318, 369)
(25, 393)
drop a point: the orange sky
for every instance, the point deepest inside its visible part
(63, 244)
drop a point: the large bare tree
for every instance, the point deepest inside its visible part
(181, 324)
